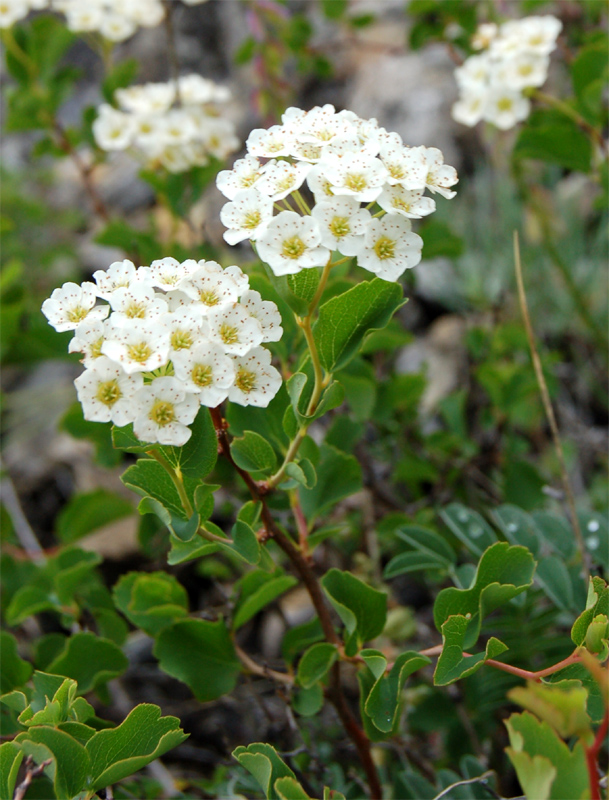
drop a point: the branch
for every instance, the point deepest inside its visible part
(261, 669)
(31, 772)
(592, 758)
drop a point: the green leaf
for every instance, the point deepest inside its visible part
(503, 573)
(11, 757)
(546, 768)
(121, 75)
(597, 603)
(334, 9)
(299, 637)
(596, 536)
(578, 673)
(200, 654)
(440, 240)
(302, 473)
(141, 738)
(15, 671)
(245, 543)
(289, 789)
(88, 512)
(517, 527)
(299, 388)
(149, 479)
(427, 541)
(452, 664)
(308, 702)
(70, 765)
(555, 532)
(265, 765)
(26, 602)
(150, 600)
(100, 433)
(589, 74)
(258, 589)
(303, 285)
(554, 579)
(549, 135)
(412, 562)
(345, 320)
(362, 609)
(253, 453)
(315, 663)
(469, 527)
(383, 701)
(338, 475)
(89, 660)
(562, 705)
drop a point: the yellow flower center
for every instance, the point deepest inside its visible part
(286, 183)
(293, 247)
(399, 202)
(96, 348)
(525, 69)
(252, 219)
(162, 413)
(202, 375)
(340, 227)
(109, 392)
(505, 104)
(245, 380)
(385, 248)
(77, 314)
(209, 297)
(396, 171)
(136, 311)
(248, 180)
(356, 182)
(181, 340)
(139, 352)
(229, 334)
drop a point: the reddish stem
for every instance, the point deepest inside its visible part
(592, 758)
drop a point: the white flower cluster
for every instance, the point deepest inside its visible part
(175, 125)
(345, 162)
(515, 56)
(115, 20)
(174, 336)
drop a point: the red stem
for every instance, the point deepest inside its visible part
(592, 758)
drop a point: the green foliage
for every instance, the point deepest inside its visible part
(150, 600)
(253, 453)
(362, 609)
(88, 512)
(338, 475)
(265, 765)
(200, 654)
(256, 590)
(453, 664)
(315, 663)
(550, 136)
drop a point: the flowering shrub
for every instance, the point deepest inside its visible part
(377, 560)
(514, 57)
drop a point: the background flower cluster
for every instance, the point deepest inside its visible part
(172, 337)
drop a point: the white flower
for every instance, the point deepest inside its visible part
(218, 137)
(484, 35)
(267, 314)
(270, 143)
(390, 247)
(342, 224)
(88, 339)
(234, 329)
(210, 287)
(137, 345)
(68, 306)
(440, 176)
(164, 410)
(408, 202)
(524, 70)
(116, 27)
(244, 175)
(206, 371)
(281, 178)
(406, 166)
(106, 392)
(505, 107)
(185, 328)
(196, 90)
(319, 184)
(113, 130)
(138, 301)
(470, 108)
(119, 274)
(357, 175)
(146, 98)
(475, 72)
(166, 273)
(84, 19)
(535, 34)
(292, 242)
(256, 381)
(11, 11)
(246, 216)
(237, 274)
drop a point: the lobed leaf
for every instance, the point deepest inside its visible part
(362, 609)
(453, 664)
(265, 765)
(469, 527)
(315, 663)
(150, 600)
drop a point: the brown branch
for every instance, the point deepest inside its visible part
(31, 772)
(592, 758)
(307, 576)
(261, 669)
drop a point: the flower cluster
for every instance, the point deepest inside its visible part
(174, 125)
(115, 20)
(515, 57)
(171, 337)
(345, 161)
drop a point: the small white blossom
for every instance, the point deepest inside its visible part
(138, 301)
(106, 392)
(212, 289)
(357, 175)
(119, 274)
(246, 172)
(206, 371)
(113, 129)
(291, 243)
(166, 273)
(137, 345)
(390, 247)
(342, 223)
(407, 202)
(164, 410)
(406, 166)
(256, 381)
(88, 339)
(68, 306)
(246, 216)
(267, 314)
(185, 328)
(270, 143)
(281, 178)
(440, 176)
(234, 329)
(505, 107)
